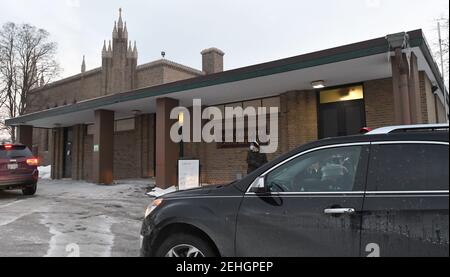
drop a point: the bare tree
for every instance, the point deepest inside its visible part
(27, 61)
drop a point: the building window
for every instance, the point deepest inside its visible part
(341, 94)
(124, 125)
(119, 126)
(266, 102)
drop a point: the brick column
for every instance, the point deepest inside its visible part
(78, 151)
(151, 144)
(414, 91)
(103, 152)
(145, 144)
(56, 152)
(400, 80)
(25, 135)
(166, 150)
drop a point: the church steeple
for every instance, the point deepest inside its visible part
(120, 24)
(115, 32)
(119, 61)
(125, 31)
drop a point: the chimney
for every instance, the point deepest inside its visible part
(212, 60)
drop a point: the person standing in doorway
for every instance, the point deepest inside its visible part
(255, 158)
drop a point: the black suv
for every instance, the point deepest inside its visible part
(384, 193)
(18, 168)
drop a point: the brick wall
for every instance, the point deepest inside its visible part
(172, 74)
(299, 119)
(41, 145)
(125, 160)
(379, 102)
(150, 76)
(145, 144)
(430, 103)
(426, 99)
(89, 85)
(87, 163)
(441, 112)
(297, 125)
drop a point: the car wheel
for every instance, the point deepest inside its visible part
(185, 245)
(31, 190)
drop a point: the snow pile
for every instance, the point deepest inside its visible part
(157, 192)
(45, 172)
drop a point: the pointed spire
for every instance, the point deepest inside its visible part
(129, 50)
(125, 31)
(115, 32)
(104, 49)
(106, 52)
(135, 52)
(83, 65)
(120, 24)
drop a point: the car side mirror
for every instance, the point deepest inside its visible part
(258, 186)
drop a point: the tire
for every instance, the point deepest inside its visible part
(31, 190)
(181, 243)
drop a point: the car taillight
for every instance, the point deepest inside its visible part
(8, 146)
(33, 162)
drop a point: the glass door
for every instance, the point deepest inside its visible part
(341, 111)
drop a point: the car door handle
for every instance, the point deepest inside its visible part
(339, 211)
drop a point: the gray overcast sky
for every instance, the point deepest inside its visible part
(250, 31)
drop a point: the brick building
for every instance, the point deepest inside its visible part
(113, 122)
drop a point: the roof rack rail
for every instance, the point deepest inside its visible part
(405, 128)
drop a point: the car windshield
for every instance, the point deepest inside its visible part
(15, 152)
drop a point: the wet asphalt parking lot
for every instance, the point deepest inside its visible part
(70, 218)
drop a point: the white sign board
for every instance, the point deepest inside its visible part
(188, 174)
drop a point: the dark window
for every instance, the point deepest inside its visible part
(327, 170)
(15, 152)
(246, 142)
(408, 167)
(265, 102)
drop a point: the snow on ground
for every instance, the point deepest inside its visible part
(71, 218)
(157, 192)
(45, 172)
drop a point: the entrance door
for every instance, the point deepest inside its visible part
(341, 112)
(67, 154)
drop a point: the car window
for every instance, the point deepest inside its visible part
(408, 167)
(16, 152)
(327, 170)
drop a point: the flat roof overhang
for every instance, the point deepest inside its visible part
(354, 63)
